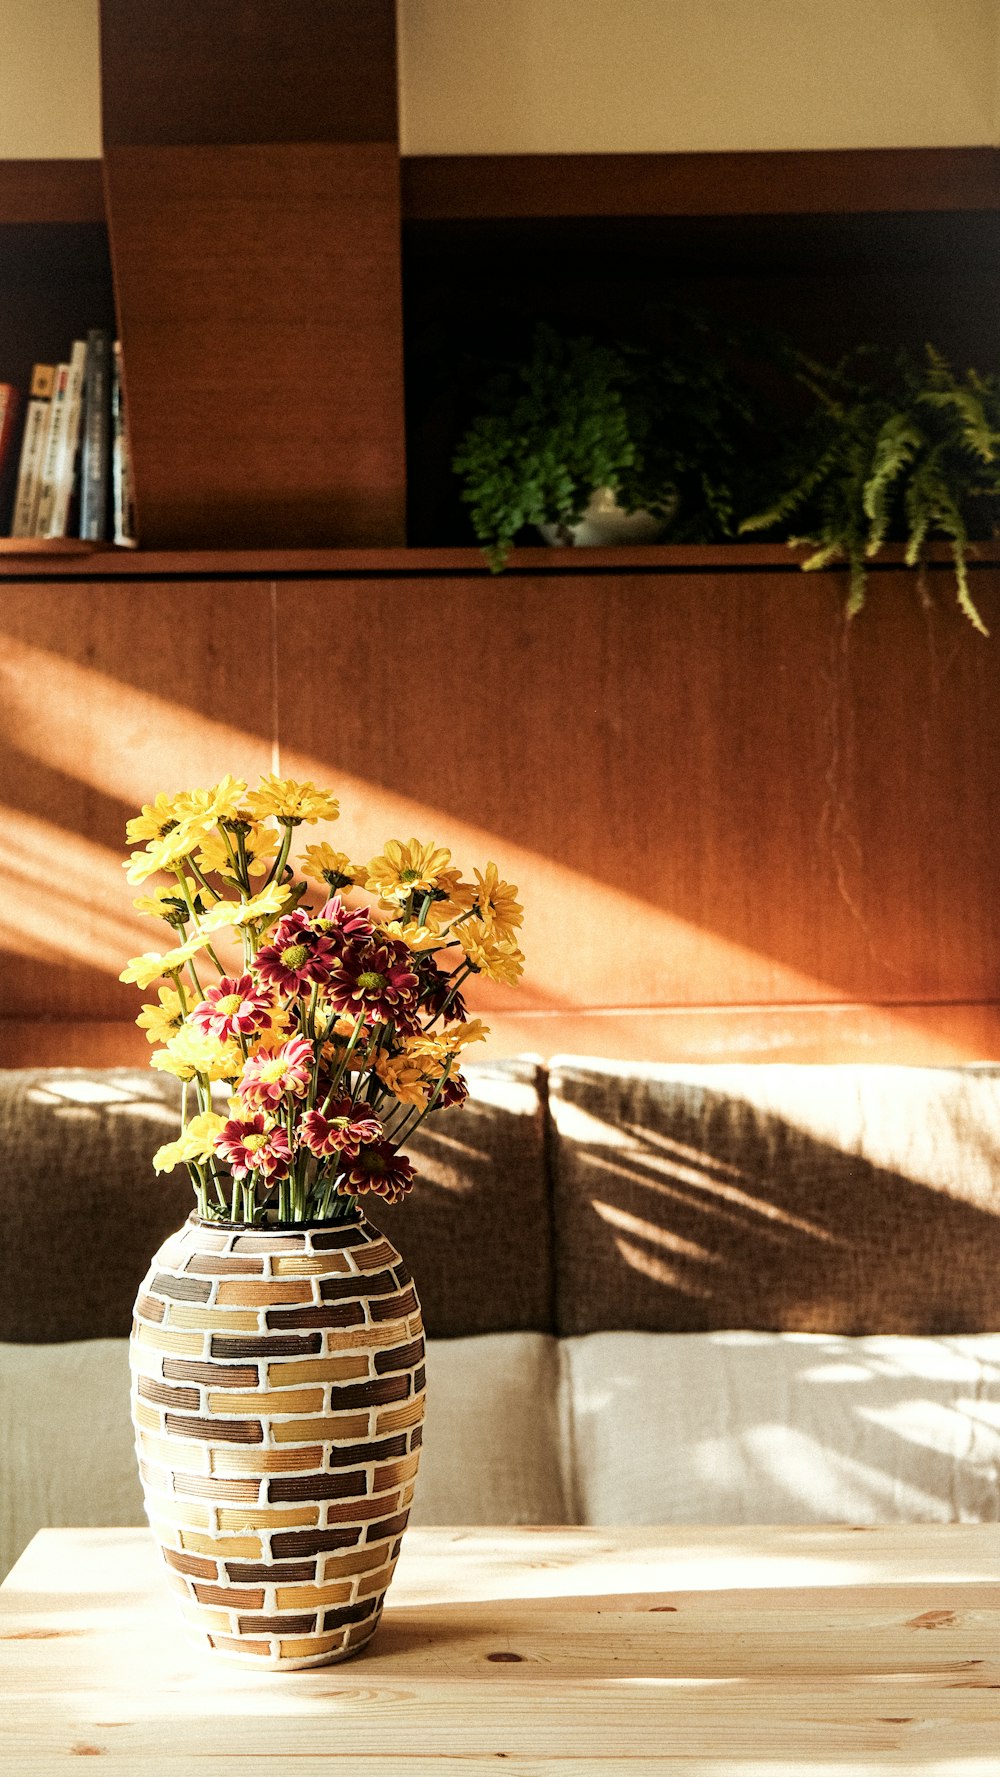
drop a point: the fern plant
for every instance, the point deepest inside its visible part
(663, 429)
(908, 451)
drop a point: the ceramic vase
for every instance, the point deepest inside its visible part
(278, 1401)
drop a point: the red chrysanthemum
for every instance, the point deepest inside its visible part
(234, 1008)
(296, 956)
(341, 1129)
(345, 925)
(454, 1091)
(375, 980)
(434, 990)
(269, 1074)
(250, 1146)
(380, 1169)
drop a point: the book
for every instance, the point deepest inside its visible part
(95, 458)
(66, 460)
(53, 442)
(9, 403)
(121, 467)
(36, 425)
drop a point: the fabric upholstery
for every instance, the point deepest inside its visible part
(491, 1451)
(848, 1199)
(81, 1209)
(793, 1428)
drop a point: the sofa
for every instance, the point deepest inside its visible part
(732, 1294)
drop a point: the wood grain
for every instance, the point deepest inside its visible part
(259, 305)
(708, 790)
(51, 191)
(581, 1650)
(106, 696)
(801, 182)
(247, 71)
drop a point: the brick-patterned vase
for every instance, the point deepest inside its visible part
(278, 1402)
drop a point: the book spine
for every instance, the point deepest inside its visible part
(96, 455)
(53, 446)
(121, 468)
(33, 445)
(66, 466)
(9, 403)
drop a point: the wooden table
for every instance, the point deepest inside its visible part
(825, 1652)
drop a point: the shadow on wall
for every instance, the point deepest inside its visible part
(839, 1199)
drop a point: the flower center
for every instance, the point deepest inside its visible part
(253, 1142)
(294, 955)
(370, 981)
(409, 876)
(228, 1004)
(373, 1162)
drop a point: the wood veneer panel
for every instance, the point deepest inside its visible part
(108, 694)
(248, 71)
(707, 794)
(260, 314)
(51, 191)
(813, 181)
(907, 1035)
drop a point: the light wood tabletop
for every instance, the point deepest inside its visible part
(815, 1651)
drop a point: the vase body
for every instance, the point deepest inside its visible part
(278, 1399)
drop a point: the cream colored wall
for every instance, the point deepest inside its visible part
(548, 76)
(49, 80)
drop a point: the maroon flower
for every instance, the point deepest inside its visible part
(376, 980)
(342, 1129)
(235, 1008)
(296, 956)
(250, 1146)
(269, 1074)
(380, 1169)
(345, 925)
(454, 1091)
(433, 989)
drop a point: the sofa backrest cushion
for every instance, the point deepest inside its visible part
(82, 1212)
(842, 1199)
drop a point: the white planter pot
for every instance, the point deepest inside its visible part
(606, 522)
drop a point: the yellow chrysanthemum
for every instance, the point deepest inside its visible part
(192, 1052)
(260, 846)
(405, 868)
(155, 818)
(268, 904)
(162, 854)
(496, 902)
(322, 864)
(414, 936)
(291, 801)
(407, 1077)
(458, 1035)
(196, 1142)
(452, 897)
(152, 966)
(167, 902)
(163, 1021)
(222, 801)
(498, 958)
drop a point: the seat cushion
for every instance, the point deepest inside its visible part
(490, 1453)
(793, 1428)
(852, 1199)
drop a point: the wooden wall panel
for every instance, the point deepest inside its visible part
(108, 694)
(738, 827)
(710, 791)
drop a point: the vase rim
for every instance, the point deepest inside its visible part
(348, 1221)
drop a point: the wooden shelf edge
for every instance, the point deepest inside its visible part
(67, 558)
(51, 191)
(776, 182)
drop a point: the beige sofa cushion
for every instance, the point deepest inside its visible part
(490, 1455)
(795, 1428)
(852, 1199)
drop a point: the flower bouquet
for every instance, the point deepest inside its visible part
(320, 1002)
(337, 1027)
